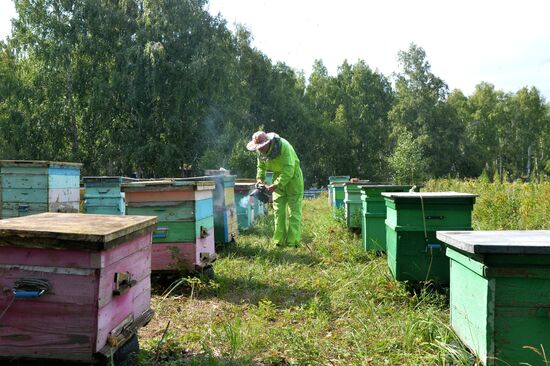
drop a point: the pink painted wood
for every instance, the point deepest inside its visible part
(188, 253)
(38, 329)
(68, 258)
(71, 321)
(167, 196)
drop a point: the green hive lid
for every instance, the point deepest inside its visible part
(358, 184)
(338, 178)
(498, 242)
(386, 186)
(428, 195)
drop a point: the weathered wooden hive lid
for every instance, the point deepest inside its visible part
(498, 242)
(168, 185)
(37, 163)
(245, 180)
(107, 179)
(73, 231)
(428, 195)
(245, 186)
(356, 183)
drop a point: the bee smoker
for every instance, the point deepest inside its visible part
(261, 193)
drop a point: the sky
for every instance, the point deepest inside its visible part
(505, 43)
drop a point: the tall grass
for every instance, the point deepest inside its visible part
(325, 303)
(506, 206)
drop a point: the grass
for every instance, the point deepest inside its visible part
(325, 303)
(506, 206)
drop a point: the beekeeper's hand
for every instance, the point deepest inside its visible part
(271, 188)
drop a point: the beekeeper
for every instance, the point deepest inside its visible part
(277, 155)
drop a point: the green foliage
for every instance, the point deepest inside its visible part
(506, 206)
(150, 86)
(407, 162)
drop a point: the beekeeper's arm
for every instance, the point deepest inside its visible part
(260, 171)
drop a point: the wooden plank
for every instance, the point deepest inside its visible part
(103, 201)
(23, 170)
(45, 257)
(135, 301)
(174, 211)
(181, 231)
(22, 209)
(24, 195)
(166, 185)
(56, 170)
(25, 181)
(534, 242)
(63, 230)
(165, 196)
(37, 163)
(102, 193)
(64, 195)
(428, 195)
(166, 255)
(138, 264)
(77, 287)
(108, 257)
(63, 181)
(35, 329)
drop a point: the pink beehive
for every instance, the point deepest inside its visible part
(75, 287)
(185, 232)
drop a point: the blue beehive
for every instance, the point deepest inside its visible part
(31, 187)
(103, 195)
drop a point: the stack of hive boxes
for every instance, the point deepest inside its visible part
(185, 232)
(31, 187)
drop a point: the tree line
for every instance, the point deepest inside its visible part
(128, 86)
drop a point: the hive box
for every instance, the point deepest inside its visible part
(335, 179)
(352, 203)
(413, 251)
(185, 232)
(225, 210)
(98, 271)
(245, 205)
(373, 214)
(258, 207)
(103, 195)
(500, 293)
(31, 187)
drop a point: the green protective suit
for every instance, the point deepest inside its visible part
(289, 193)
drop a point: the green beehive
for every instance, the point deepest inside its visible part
(500, 294)
(338, 195)
(352, 203)
(412, 219)
(373, 214)
(335, 179)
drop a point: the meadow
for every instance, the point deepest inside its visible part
(325, 303)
